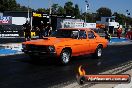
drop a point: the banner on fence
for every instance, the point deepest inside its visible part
(5, 20)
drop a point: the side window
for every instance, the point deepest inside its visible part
(82, 34)
(74, 34)
(91, 35)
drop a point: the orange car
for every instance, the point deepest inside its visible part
(65, 43)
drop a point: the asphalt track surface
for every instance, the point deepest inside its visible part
(19, 71)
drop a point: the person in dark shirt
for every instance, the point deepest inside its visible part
(27, 30)
(42, 30)
(107, 35)
(48, 29)
(119, 32)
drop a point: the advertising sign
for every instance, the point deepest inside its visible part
(40, 14)
(11, 33)
(5, 20)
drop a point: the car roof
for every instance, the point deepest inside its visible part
(88, 29)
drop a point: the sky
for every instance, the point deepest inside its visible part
(119, 6)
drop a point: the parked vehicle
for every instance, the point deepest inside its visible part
(65, 43)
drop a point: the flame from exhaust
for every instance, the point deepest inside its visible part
(81, 71)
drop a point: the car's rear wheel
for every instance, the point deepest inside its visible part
(65, 56)
(98, 53)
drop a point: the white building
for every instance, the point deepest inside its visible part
(110, 23)
(76, 23)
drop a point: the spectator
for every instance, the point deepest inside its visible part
(119, 32)
(42, 30)
(27, 30)
(48, 30)
(129, 34)
(126, 29)
(37, 30)
(107, 35)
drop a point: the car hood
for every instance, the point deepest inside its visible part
(47, 41)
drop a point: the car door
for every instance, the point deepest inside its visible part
(80, 44)
(92, 41)
(84, 42)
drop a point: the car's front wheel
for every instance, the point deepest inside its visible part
(34, 57)
(65, 56)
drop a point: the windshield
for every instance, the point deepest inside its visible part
(65, 34)
(76, 34)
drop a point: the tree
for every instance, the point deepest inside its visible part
(55, 8)
(120, 18)
(43, 10)
(1, 6)
(8, 5)
(69, 9)
(11, 5)
(104, 12)
(61, 10)
(76, 11)
(90, 17)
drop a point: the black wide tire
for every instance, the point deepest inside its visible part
(98, 53)
(65, 57)
(81, 80)
(33, 57)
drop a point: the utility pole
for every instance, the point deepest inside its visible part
(87, 8)
(28, 9)
(50, 10)
(127, 13)
(29, 19)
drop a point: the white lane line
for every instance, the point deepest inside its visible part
(129, 85)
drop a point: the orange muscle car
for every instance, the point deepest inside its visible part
(65, 43)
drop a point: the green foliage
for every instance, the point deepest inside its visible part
(104, 12)
(43, 10)
(55, 8)
(7, 5)
(69, 9)
(90, 17)
(11, 5)
(76, 11)
(122, 19)
(61, 10)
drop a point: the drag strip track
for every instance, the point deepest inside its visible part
(20, 72)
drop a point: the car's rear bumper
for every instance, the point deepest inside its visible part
(39, 53)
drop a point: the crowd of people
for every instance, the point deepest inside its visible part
(42, 30)
(45, 29)
(127, 33)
